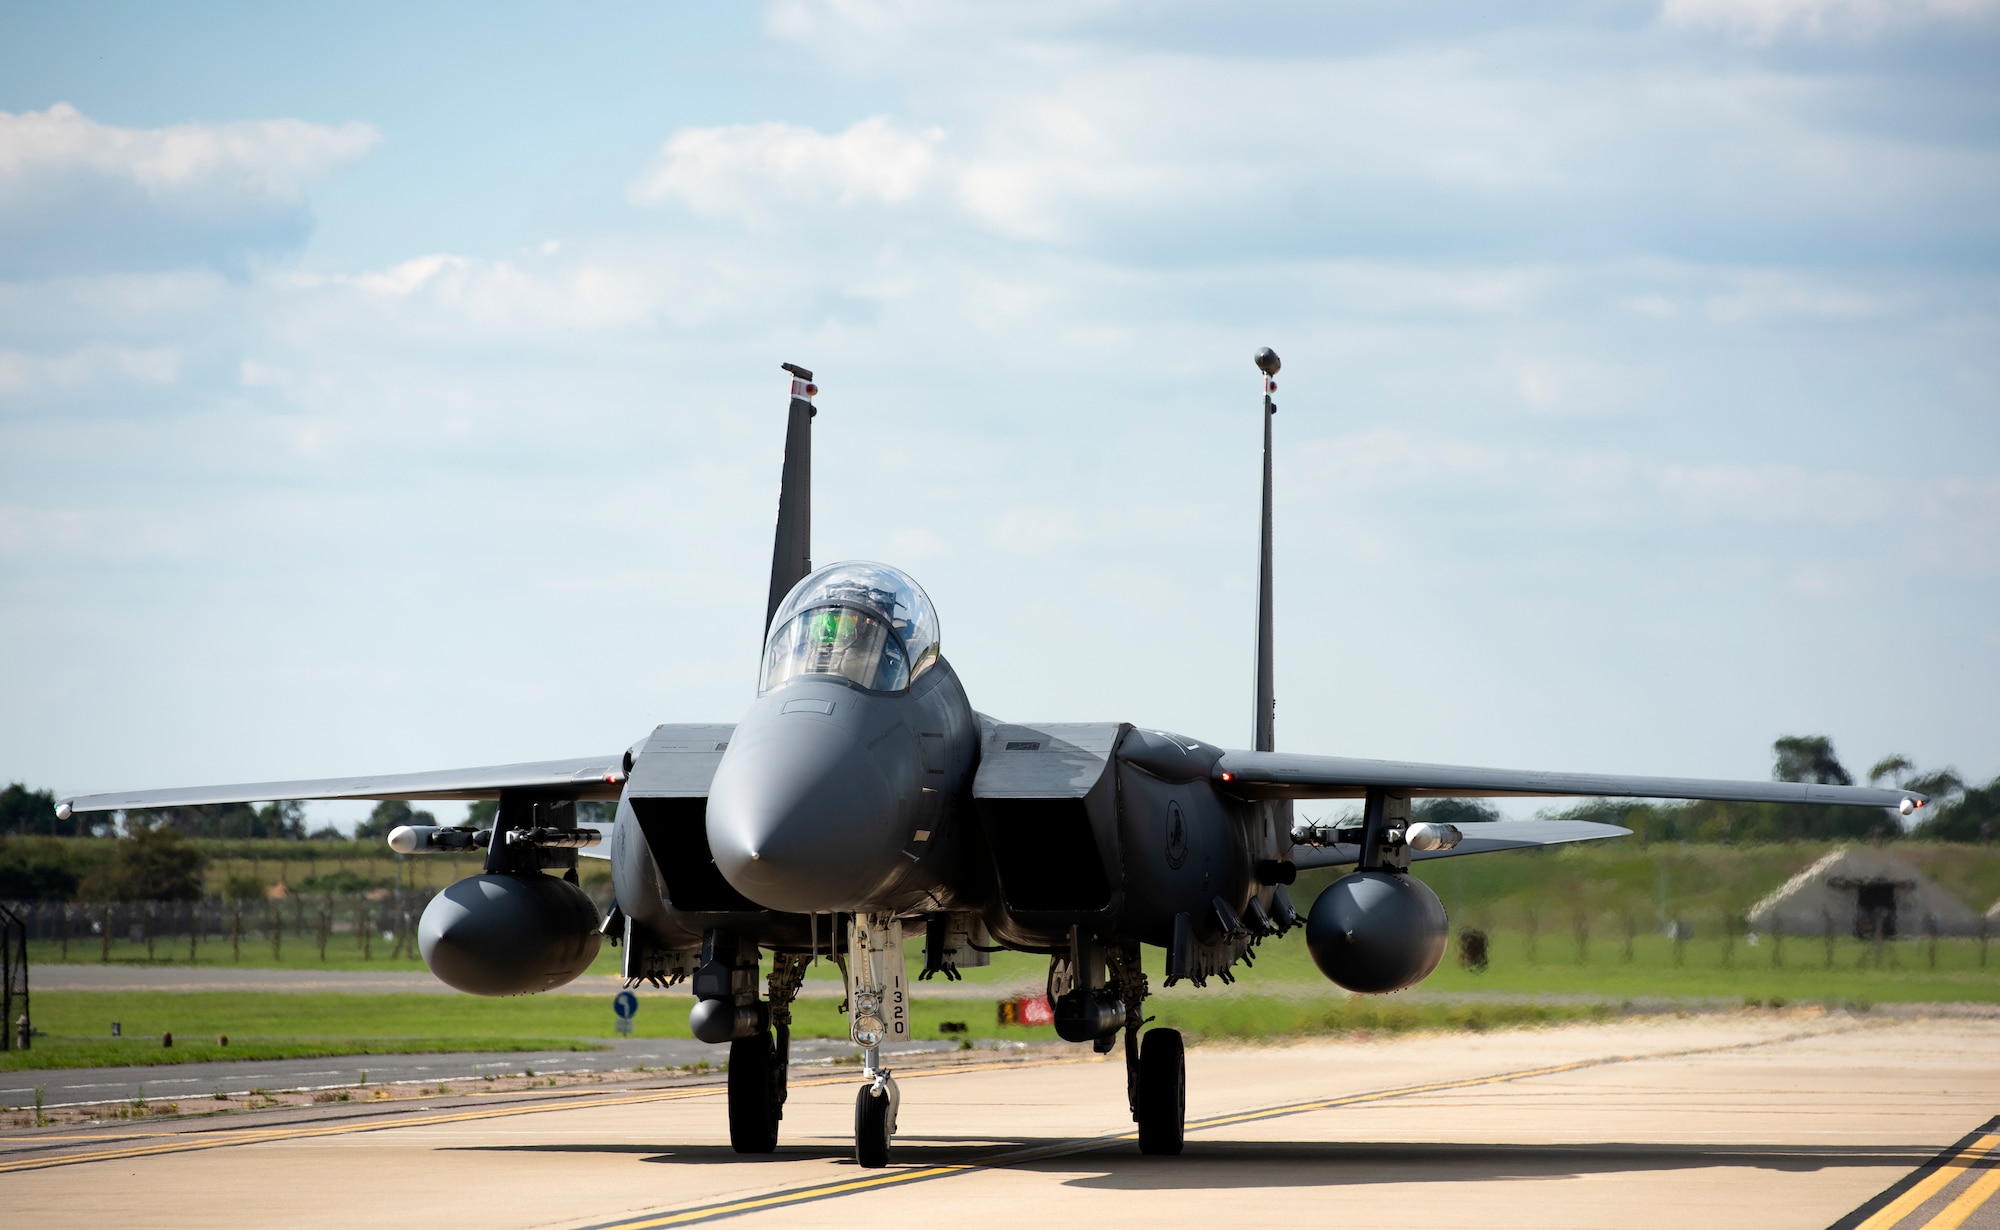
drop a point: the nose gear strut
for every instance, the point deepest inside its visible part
(878, 1014)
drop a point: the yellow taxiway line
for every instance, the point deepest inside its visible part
(1974, 1154)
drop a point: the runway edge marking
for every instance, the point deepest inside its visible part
(1926, 1181)
(223, 1138)
(842, 1187)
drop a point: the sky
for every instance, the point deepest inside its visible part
(396, 387)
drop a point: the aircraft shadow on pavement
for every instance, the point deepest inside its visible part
(681, 1155)
(1231, 1163)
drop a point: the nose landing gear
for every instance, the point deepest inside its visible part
(878, 1013)
(875, 1109)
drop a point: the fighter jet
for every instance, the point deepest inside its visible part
(862, 801)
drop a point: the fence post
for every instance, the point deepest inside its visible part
(14, 956)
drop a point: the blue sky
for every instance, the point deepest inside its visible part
(396, 389)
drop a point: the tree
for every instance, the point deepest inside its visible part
(482, 813)
(1895, 766)
(1808, 758)
(284, 818)
(1454, 811)
(1938, 785)
(44, 869)
(32, 813)
(389, 814)
(153, 864)
(1974, 815)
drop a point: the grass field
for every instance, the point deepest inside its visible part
(272, 1025)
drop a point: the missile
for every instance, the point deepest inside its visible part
(436, 839)
(1426, 835)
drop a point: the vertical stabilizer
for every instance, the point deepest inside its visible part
(791, 551)
(1265, 729)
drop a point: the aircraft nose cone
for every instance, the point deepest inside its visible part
(801, 817)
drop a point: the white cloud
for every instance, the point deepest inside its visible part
(754, 169)
(80, 195)
(24, 373)
(268, 158)
(1768, 19)
(1167, 155)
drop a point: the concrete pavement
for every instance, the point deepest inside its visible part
(1745, 1119)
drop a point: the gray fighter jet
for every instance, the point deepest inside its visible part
(862, 801)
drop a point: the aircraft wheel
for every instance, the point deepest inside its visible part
(753, 1106)
(1162, 1092)
(871, 1129)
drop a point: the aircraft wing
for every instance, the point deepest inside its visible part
(1290, 775)
(1480, 838)
(591, 777)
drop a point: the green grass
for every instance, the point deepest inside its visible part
(278, 1025)
(273, 1025)
(1705, 968)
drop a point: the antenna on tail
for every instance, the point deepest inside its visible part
(1265, 728)
(791, 551)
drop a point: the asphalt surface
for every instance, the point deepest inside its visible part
(1747, 1119)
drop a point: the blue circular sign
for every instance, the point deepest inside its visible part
(625, 1005)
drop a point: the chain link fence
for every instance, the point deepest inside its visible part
(382, 923)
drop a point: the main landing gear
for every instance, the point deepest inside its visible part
(1155, 1065)
(1161, 1105)
(758, 1064)
(756, 1094)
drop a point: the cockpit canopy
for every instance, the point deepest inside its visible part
(867, 623)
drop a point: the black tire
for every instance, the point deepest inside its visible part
(1162, 1092)
(871, 1129)
(753, 1110)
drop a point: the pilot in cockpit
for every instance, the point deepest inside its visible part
(865, 623)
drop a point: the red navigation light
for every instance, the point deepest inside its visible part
(1228, 776)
